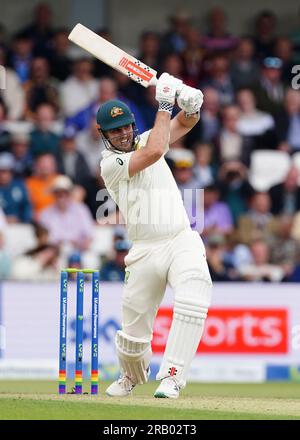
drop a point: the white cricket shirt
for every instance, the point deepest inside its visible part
(150, 201)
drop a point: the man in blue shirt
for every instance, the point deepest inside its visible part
(114, 270)
(13, 195)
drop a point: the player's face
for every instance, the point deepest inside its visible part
(121, 138)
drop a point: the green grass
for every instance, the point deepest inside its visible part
(39, 400)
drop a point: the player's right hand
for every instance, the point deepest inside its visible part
(166, 88)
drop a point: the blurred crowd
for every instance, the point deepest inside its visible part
(50, 147)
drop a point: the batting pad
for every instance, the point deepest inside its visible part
(134, 356)
(190, 310)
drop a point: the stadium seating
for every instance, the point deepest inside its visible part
(268, 168)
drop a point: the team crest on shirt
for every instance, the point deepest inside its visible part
(116, 111)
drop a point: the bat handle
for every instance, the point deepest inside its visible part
(153, 81)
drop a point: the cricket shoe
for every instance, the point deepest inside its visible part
(121, 387)
(168, 389)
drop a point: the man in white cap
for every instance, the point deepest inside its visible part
(165, 249)
(67, 221)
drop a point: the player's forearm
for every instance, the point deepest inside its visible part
(187, 121)
(160, 133)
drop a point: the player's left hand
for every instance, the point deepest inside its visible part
(190, 99)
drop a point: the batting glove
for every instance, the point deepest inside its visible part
(190, 100)
(166, 88)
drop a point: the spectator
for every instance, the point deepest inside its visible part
(295, 37)
(181, 163)
(5, 136)
(174, 39)
(236, 189)
(114, 269)
(261, 269)
(109, 90)
(148, 109)
(40, 31)
(68, 222)
(236, 254)
(219, 267)
(43, 140)
(204, 169)
(60, 60)
(284, 51)
(193, 57)
(75, 261)
(208, 127)
(128, 89)
(255, 123)
(286, 196)
(173, 64)
(218, 38)
(40, 263)
(269, 91)
(78, 93)
(5, 259)
(71, 162)
(288, 121)
(264, 39)
(244, 69)
(258, 221)
(285, 250)
(40, 183)
(233, 145)
(149, 49)
(20, 57)
(182, 168)
(217, 216)
(219, 78)
(22, 156)
(252, 122)
(295, 232)
(3, 223)
(13, 194)
(40, 88)
(13, 94)
(101, 69)
(90, 144)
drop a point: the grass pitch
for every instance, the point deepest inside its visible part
(39, 401)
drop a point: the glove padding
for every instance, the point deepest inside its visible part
(166, 88)
(190, 100)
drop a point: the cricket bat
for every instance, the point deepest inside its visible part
(113, 56)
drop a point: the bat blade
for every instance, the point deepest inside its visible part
(112, 55)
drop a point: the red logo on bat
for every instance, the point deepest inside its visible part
(135, 69)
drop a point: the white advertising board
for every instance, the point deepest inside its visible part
(252, 331)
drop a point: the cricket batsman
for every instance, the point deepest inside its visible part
(139, 180)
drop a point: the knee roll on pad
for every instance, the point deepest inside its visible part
(134, 356)
(194, 292)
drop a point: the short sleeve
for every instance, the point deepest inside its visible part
(143, 139)
(115, 168)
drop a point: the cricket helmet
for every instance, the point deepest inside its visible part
(114, 114)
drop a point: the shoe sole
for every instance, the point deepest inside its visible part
(160, 395)
(120, 396)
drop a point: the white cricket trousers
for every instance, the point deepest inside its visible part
(149, 267)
